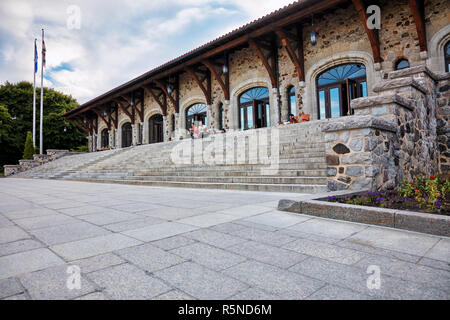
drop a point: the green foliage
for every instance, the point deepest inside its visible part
(430, 193)
(16, 119)
(80, 149)
(29, 148)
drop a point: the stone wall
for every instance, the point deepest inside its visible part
(443, 125)
(38, 159)
(360, 153)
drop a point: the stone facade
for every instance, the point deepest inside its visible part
(443, 124)
(399, 131)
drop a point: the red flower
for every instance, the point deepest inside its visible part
(416, 191)
(411, 183)
(432, 177)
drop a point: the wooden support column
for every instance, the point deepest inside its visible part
(80, 125)
(223, 82)
(418, 12)
(271, 69)
(99, 114)
(140, 110)
(173, 100)
(372, 34)
(205, 89)
(122, 105)
(296, 58)
(162, 104)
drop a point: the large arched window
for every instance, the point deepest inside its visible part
(254, 108)
(196, 114)
(105, 138)
(447, 56)
(292, 101)
(127, 135)
(156, 129)
(337, 86)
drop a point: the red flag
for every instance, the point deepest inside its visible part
(44, 50)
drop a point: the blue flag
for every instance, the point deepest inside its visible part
(35, 57)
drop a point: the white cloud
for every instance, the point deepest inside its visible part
(118, 39)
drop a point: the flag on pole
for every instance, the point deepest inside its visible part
(35, 57)
(44, 50)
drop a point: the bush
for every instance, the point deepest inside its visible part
(430, 193)
(80, 149)
(29, 148)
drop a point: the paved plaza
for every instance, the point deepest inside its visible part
(140, 242)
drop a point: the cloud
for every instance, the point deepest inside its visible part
(118, 39)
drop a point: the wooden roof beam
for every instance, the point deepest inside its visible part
(206, 90)
(223, 83)
(270, 69)
(372, 34)
(164, 89)
(417, 9)
(162, 105)
(296, 58)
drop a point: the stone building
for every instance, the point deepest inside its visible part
(379, 98)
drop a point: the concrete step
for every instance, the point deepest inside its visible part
(228, 186)
(235, 179)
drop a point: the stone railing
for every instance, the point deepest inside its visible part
(38, 159)
(360, 153)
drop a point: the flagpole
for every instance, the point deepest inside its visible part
(41, 119)
(34, 94)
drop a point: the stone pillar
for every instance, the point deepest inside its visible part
(134, 131)
(230, 122)
(275, 108)
(118, 138)
(90, 143)
(284, 108)
(111, 138)
(165, 128)
(360, 153)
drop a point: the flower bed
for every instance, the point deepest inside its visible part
(430, 195)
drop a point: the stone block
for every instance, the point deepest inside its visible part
(354, 171)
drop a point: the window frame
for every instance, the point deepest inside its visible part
(340, 84)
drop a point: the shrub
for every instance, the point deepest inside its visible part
(430, 193)
(29, 148)
(80, 149)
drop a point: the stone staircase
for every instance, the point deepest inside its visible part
(62, 167)
(295, 162)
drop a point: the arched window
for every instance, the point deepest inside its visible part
(402, 64)
(156, 129)
(337, 86)
(105, 138)
(173, 122)
(292, 101)
(196, 114)
(127, 135)
(447, 57)
(254, 108)
(221, 117)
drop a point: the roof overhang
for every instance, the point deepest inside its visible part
(270, 23)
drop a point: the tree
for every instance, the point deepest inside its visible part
(29, 148)
(17, 114)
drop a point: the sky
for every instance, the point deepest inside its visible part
(96, 45)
